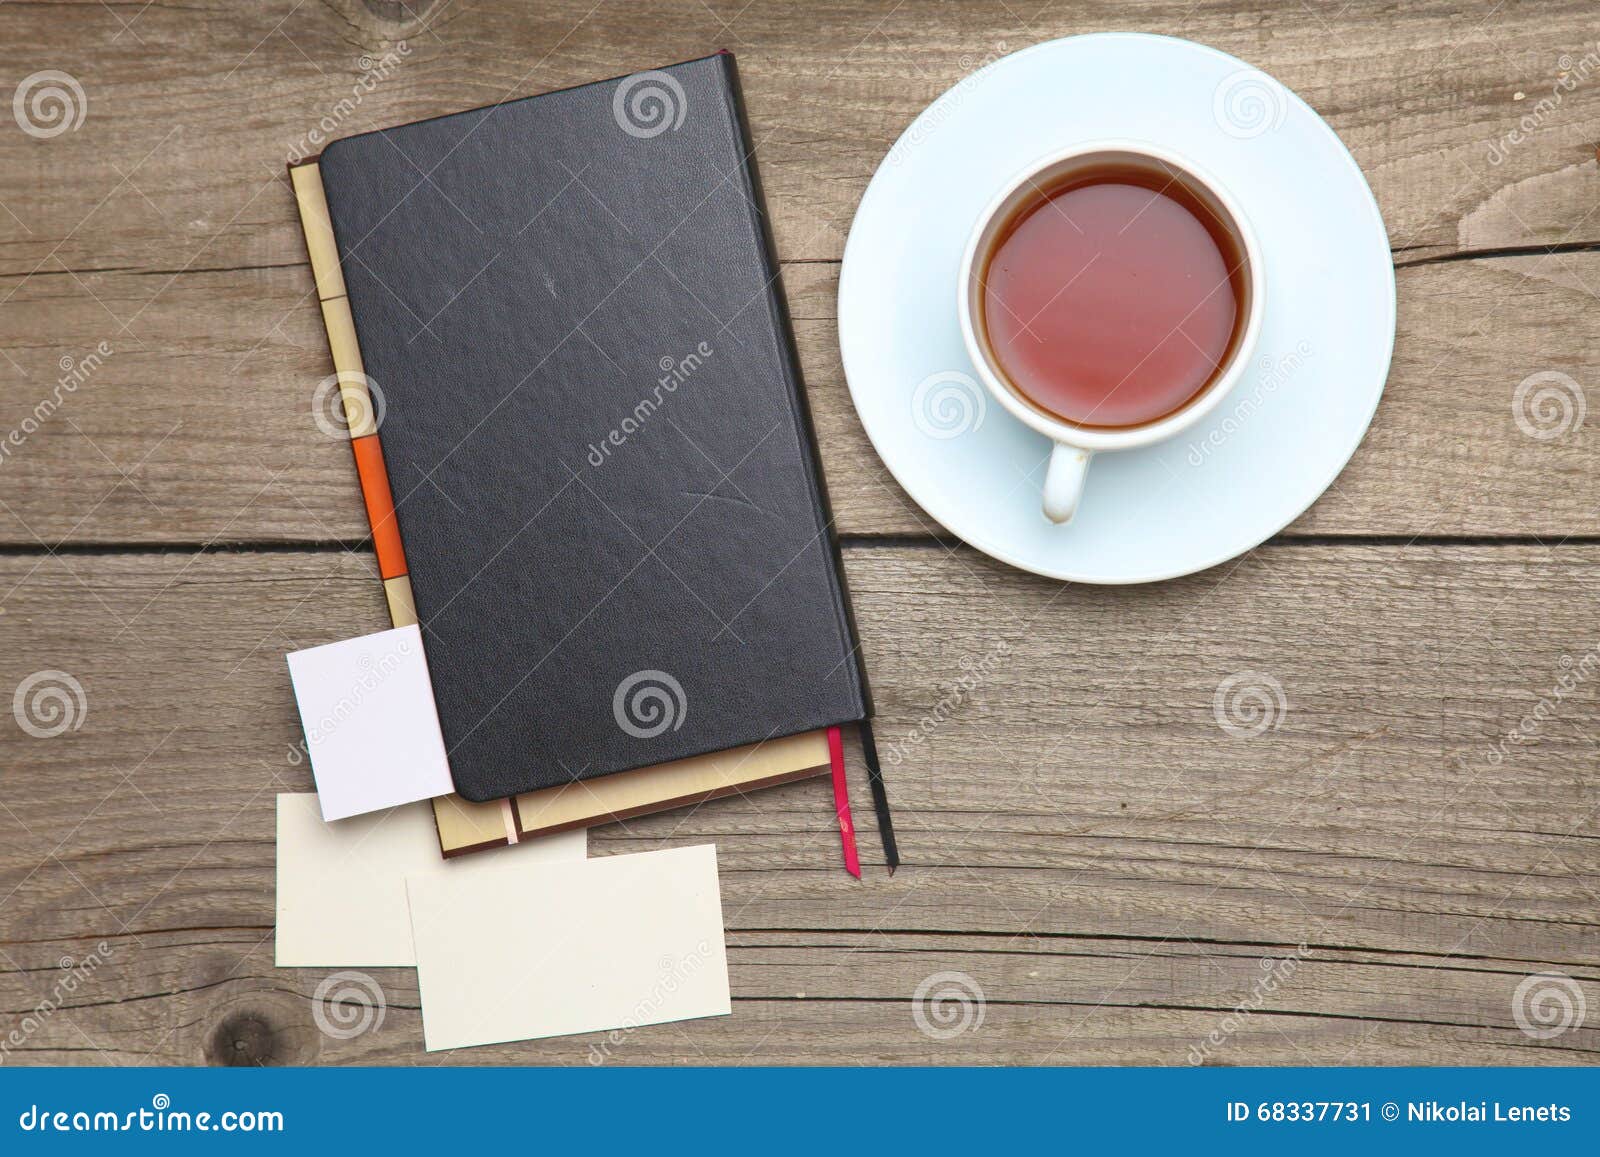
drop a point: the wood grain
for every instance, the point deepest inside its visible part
(193, 108)
(163, 227)
(205, 431)
(212, 996)
(1081, 837)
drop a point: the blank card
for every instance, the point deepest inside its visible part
(342, 886)
(526, 950)
(372, 731)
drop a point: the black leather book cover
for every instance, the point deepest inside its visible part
(595, 429)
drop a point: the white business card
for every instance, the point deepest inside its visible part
(371, 727)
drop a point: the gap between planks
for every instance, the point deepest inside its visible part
(846, 541)
(1398, 255)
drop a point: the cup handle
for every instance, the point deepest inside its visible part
(1063, 482)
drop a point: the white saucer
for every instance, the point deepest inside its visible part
(1269, 450)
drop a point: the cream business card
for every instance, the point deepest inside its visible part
(342, 885)
(527, 950)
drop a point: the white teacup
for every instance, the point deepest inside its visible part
(1076, 445)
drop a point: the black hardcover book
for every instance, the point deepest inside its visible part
(595, 429)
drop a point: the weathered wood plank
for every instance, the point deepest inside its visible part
(204, 429)
(1476, 122)
(1072, 783)
(214, 997)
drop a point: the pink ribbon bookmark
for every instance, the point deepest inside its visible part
(841, 803)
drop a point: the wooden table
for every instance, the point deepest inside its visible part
(1372, 879)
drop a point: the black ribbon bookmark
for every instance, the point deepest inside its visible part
(880, 797)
